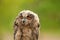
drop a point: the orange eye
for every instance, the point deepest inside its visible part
(28, 17)
(21, 17)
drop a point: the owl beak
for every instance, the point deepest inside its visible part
(23, 21)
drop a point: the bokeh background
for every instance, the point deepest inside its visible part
(47, 10)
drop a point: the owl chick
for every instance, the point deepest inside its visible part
(26, 26)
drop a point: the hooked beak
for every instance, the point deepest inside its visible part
(23, 21)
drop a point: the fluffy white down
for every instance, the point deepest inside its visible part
(28, 11)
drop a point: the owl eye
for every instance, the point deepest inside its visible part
(29, 18)
(21, 17)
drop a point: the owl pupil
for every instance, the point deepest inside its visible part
(28, 17)
(21, 17)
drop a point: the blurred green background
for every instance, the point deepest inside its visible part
(48, 11)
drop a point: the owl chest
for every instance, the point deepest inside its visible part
(26, 31)
(24, 34)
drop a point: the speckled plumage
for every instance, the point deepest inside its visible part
(26, 26)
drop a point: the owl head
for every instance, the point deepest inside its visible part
(27, 17)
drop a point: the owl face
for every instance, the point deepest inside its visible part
(26, 18)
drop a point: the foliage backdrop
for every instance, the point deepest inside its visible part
(48, 11)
